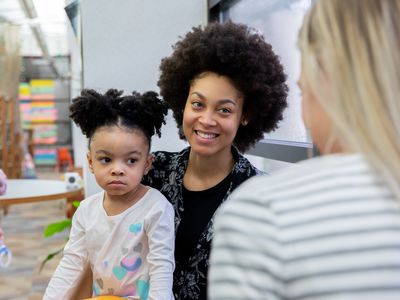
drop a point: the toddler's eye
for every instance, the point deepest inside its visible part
(104, 160)
(132, 160)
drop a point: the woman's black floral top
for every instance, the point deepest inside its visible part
(166, 175)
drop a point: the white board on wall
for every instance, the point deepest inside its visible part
(123, 43)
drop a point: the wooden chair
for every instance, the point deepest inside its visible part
(10, 141)
(11, 152)
(64, 160)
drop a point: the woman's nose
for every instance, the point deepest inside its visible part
(207, 119)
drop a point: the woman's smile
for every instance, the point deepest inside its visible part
(206, 135)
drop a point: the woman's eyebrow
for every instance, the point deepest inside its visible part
(200, 95)
(222, 101)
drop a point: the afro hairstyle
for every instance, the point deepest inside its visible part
(240, 53)
(92, 110)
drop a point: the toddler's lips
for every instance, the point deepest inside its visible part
(116, 182)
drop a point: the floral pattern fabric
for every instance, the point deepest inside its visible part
(166, 175)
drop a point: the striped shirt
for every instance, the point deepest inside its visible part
(326, 228)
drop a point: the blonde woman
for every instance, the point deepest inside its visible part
(328, 228)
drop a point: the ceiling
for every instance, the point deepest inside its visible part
(44, 31)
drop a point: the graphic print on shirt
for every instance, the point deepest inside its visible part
(135, 228)
(131, 261)
(143, 288)
(127, 265)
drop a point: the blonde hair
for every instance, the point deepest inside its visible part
(351, 62)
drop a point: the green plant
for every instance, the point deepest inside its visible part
(53, 229)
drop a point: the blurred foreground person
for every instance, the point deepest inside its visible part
(328, 228)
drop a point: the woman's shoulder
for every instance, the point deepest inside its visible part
(243, 166)
(304, 176)
(166, 156)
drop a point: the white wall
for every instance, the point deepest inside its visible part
(78, 141)
(123, 44)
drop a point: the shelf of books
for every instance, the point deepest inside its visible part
(39, 114)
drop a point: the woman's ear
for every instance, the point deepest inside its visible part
(90, 161)
(149, 161)
(244, 119)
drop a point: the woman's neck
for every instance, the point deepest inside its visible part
(204, 172)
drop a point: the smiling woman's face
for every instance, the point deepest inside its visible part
(212, 115)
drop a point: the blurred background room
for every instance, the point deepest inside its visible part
(50, 50)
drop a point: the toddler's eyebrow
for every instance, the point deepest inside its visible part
(134, 152)
(101, 151)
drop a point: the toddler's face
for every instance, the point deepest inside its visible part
(119, 158)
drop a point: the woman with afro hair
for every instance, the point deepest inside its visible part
(226, 88)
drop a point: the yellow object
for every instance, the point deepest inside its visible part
(42, 82)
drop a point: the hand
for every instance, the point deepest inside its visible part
(3, 182)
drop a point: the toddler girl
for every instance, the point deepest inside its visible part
(126, 232)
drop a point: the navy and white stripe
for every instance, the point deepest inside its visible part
(327, 228)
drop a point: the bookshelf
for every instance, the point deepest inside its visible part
(44, 110)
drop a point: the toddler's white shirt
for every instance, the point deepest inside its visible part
(130, 254)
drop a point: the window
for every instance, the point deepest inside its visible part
(279, 21)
